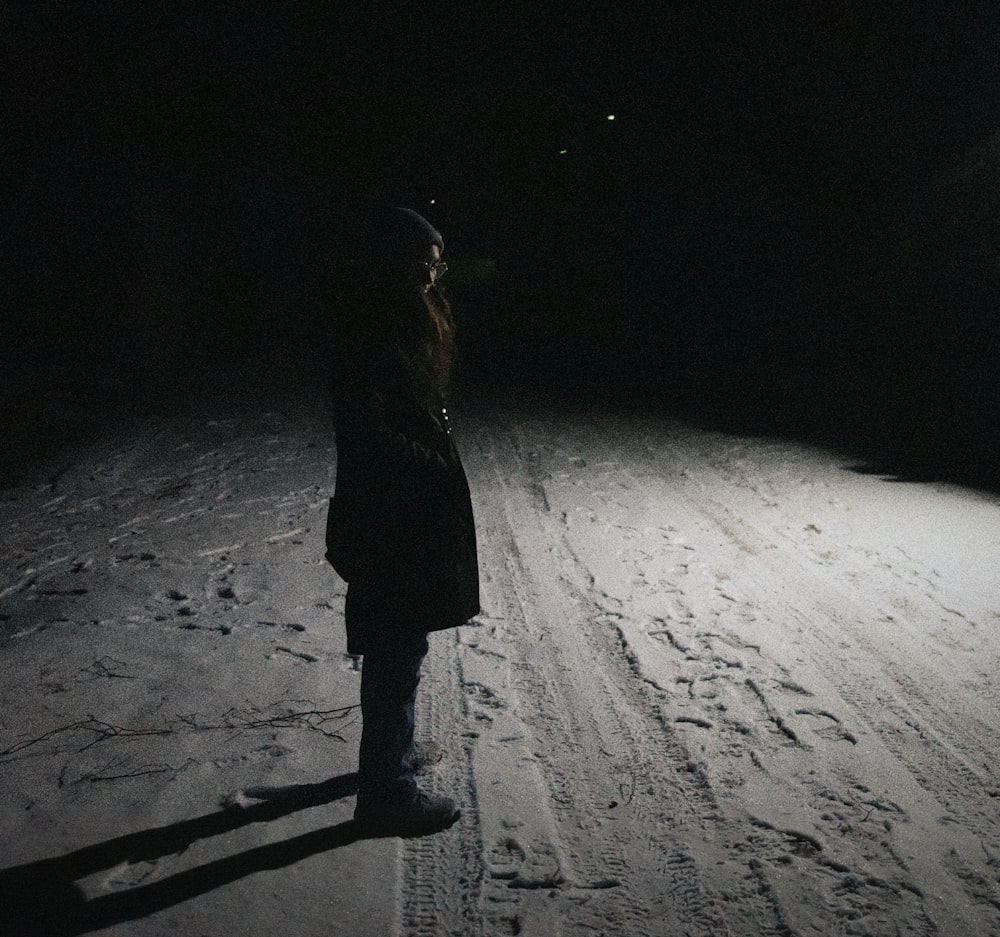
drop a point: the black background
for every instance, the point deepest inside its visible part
(791, 224)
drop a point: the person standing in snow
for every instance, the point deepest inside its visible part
(400, 528)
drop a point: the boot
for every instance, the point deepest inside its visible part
(417, 814)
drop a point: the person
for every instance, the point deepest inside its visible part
(400, 528)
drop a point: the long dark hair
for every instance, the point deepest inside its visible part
(380, 318)
(439, 345)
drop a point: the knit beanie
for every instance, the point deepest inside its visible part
(396, 233)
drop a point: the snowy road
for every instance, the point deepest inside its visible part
(721, 685)
(742, 688)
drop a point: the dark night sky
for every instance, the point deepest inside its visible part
(751, 227)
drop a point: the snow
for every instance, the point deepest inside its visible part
(721, 684)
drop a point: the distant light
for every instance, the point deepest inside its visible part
(563, 152)
(434, 201)
(611, 116)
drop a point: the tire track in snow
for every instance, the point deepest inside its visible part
(454, 856)
(617, 781)
(768, 688)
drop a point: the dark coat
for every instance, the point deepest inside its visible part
(400, 528)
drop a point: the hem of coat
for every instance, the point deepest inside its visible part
(359, 636)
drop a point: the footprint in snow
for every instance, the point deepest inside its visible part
(505, 858)
(484, 696)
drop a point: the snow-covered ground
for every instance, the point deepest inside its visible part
(721, 685)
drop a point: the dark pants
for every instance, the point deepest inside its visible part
(390, 676)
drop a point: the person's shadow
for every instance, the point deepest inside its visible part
(41, 899)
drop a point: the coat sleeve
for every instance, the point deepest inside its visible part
(400, 433)
(398, 506)
(424, 446)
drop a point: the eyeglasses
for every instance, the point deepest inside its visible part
(437, 269)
